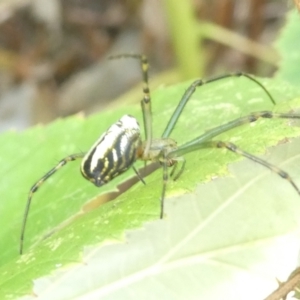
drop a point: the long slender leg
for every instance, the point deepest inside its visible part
(165, 181)
(189, 92)
(166, 178)
(36, 186)
(232, 147)
(176, 114)
(138, 175)
(181, 170)
(146, 101)
(175, 168)
(208, 135)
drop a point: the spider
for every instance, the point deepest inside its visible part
(121, 145)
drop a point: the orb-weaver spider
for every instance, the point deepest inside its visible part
(121, 145)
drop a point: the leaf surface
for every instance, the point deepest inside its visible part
(229, 222)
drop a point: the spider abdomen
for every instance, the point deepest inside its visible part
(113, 153)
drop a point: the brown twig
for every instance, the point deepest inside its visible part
(286, 287)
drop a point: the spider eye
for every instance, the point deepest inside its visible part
(113, 153)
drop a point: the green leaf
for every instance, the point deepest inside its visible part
(288, 46)
(212, 212)
(233, 247)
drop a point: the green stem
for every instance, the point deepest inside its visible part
(185, 38)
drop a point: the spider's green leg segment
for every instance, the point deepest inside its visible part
(199, 82)
(36, 186)
(181, 169)
(165, 181)
(204, 141)
(138, 175)
(195, 144)
(166, 163)
(146, 105)
(146, 101)
(273, 168)
(173, 171)
(185, 98)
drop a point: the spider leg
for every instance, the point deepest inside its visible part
(36, 186)
(146, 101)
(204, 141)
(195, 144)
(232, 147)
(165, 164)
(175, 167)
(139, 175)
(165, 181)
(189, 92)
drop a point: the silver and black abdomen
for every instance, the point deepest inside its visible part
(113, 153)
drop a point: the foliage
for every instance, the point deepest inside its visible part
(212, 212)
(288, 45)
(230, 233)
